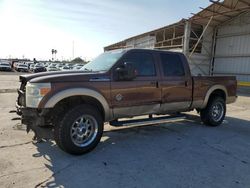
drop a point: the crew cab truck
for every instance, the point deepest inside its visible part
(119, 84)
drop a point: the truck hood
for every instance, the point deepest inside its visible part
(63, 76)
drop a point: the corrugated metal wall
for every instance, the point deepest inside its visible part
(200, 62)
(232, 56)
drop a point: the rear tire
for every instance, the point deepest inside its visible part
(214, 113)
(80, 130)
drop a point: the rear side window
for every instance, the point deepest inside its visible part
(172, 65)
(143, 63)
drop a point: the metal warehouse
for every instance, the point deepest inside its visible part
(216, 40)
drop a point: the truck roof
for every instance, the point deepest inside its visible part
(141, 49)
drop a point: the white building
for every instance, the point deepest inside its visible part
(215, 40)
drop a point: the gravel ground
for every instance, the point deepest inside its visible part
(177, 154)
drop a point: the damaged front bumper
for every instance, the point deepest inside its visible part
(32, 117)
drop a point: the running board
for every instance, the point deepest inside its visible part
(147, 121)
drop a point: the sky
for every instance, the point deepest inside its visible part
(31, 28)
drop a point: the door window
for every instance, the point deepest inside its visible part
(143, 63)
(172, 65)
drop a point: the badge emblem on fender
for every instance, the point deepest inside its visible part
(118, 97)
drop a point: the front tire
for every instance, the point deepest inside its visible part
(80, 130)
(214, 113)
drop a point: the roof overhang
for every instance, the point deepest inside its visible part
(220, 11)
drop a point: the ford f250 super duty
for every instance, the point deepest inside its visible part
(119, 84)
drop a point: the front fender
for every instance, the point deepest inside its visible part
(53, 100)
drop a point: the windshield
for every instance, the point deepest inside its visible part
(104, 61)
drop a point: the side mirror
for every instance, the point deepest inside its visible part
(125, 72)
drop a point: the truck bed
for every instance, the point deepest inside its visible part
(202, 85)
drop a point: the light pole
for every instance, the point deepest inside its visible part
(52, 52)
(55, 51)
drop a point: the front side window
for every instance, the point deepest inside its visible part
(104, 61)
(172, 65)
(143, 63)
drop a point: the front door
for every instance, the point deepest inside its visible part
(141, 95)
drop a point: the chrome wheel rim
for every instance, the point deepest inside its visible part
(217, 111)
(84, 130)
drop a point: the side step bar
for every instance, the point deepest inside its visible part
(147, 121)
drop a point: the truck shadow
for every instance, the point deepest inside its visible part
(142, 156)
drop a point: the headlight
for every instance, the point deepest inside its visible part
(35, 92)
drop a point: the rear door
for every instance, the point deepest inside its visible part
(141, 95)
(176, 82)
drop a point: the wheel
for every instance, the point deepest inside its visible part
(214, 113)
(80, 130)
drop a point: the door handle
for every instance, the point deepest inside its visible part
(155, 83)
(186, 83)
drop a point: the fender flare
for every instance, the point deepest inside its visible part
(79, 92)
(211, 90)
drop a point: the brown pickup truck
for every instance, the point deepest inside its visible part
(119, 84)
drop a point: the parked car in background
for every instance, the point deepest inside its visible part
(78, 67)
(52, 68)
(31, 67)
(15, 65)
(22, 67)
(5, 66)
(39, 69)
(59, 66)
(29, 63)
(39, 64)
(79, 64)
(53, 65)
(70, 65)
(47, 64)
(65, 68)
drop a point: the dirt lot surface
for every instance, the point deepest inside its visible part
(178, 154)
